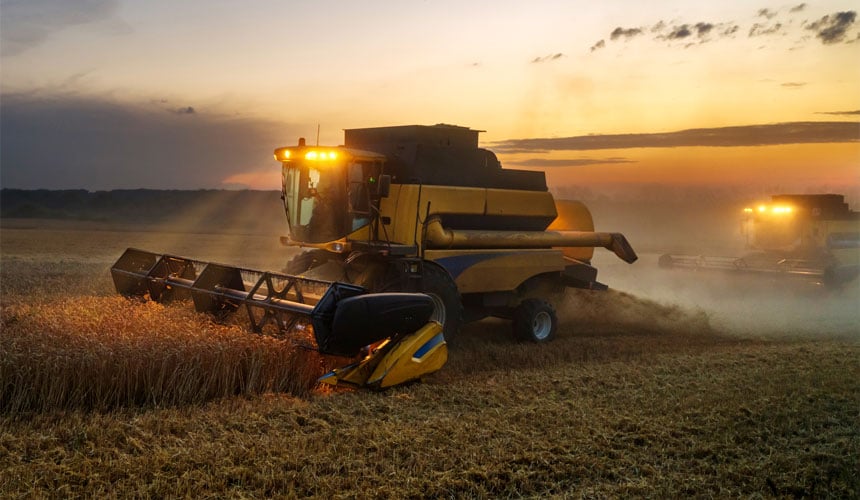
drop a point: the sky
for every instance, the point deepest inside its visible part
(613, 96)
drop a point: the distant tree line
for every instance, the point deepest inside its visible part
(139, 205)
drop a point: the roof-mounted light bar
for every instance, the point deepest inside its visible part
(312, 154)
(770, 209)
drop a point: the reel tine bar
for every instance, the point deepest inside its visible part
(219, 289)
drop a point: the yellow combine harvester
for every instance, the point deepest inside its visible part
(419, 222)
(809, 236)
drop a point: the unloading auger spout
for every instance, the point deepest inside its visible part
(345, 318)
(441, 237)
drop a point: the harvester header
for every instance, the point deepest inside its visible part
(343, 318)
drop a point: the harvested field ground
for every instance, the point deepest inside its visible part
(669, 398)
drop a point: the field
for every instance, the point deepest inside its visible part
(661, 388)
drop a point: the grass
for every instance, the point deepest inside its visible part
(634, 398)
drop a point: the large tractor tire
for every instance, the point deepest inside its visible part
(306, 261)
(534, 320)
(379, 276)
(438, 284)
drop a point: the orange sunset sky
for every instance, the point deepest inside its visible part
(109, 94)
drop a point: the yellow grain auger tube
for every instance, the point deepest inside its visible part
(424, 209)
(389, 334)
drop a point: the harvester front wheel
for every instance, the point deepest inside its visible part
(534, 320)
(306, 261)
(438, 284)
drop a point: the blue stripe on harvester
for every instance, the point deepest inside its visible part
(430, 344)
(455, 265)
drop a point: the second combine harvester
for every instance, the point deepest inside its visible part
(423, 208)
(410, 231)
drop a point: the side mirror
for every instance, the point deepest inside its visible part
(383, 187)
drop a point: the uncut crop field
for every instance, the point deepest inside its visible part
(102, 396)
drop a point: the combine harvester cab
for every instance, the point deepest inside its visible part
(813, 238)
(343, 318)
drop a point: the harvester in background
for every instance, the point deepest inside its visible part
(413, 221)
(813, 237)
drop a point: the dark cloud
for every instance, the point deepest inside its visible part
(679, 32)
(65, 141)
(702, 29)
(766, 13)
(624, 33)
(567, 162)
(751, 135)
(793, 85)
(551, 57)
(833, 28)
(599, 45)
(729, 29)
(830, 29)
(855, 112)
(27, 23)
(764, 29)
(187, 110)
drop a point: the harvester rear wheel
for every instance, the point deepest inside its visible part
(534, 320)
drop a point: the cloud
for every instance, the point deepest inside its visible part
(679, 32)
(855, 112)
(830, 29)
(599, 45)
(766, 13)
(624, 33)
(763, 29)
(729, 29)
(63, 141)
(187, 110)
(27, 23)
(551, 57)
(833, 28)
(749, 135)
(567, 162)
(702, 29)
(793, 85)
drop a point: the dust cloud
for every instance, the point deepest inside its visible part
(743, 305)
